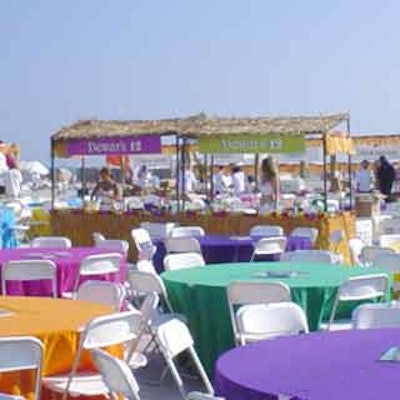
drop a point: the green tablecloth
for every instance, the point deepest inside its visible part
(200, 294)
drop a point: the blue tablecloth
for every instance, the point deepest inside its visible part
(8, 224)
(224, 249)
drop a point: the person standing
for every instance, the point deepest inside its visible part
(385, 176)
(238, 180)
(220, 181)
(269, 185)
(106, 191)
(364, 178)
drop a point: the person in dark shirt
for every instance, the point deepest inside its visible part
(106, 187)
(385, 176)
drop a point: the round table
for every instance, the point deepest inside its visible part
(56, 322)
(341, 365)
(67, 262)
(200, 294)
(224, 248)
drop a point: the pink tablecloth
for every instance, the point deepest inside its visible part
(67, 262)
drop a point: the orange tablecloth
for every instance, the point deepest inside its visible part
(56, 322)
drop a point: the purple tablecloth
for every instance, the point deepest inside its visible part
(340, 365)
(67, 262)
(223, 249)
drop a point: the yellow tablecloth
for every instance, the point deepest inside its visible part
(79, 226)
(56, 322)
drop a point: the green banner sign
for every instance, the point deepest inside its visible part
(242, 143)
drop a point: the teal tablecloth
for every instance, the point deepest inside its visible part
(200, 294)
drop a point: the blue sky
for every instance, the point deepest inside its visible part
(128, 59)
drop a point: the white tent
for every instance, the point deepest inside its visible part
(34, 167)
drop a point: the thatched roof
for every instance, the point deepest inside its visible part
(201, 125)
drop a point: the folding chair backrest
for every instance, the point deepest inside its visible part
(370, 255)
(373, 316)
(106, 263)
(389, 262)
(22, 353)
(315, 256)
(145, 282)
(157, 229)
(114, 245)
(242, 293)
(111, 329)
(58, 242)
(271, 320)
(389, 240)
(266, 230)
(102, 292)
(29, 270)
(117, 375)
(141, 238)
(182, 245)
(98, 264)
(269, 245)
(187, 231)
(363, 287)
(183, 261)
(311, 233)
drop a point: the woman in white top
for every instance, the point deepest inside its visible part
(364, 178)
(238, 180)
(269, 185)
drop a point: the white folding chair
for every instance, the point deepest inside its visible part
(158, 229)
(312, 256)
(390, 240)
(29, 270)
(117, 375)
(358, 288)
(145, 283)
(143, 243)
(311, 233)
(370, 255)
(95, 265)
(373, 316)
(266, 321)
(98, 237)
(177, 261)
(187, 231)
(174, 338)
(390, 263)
(269, 246)
(244, 293)
(100, 332)
(182, 245)
(121, 381)
(114, 245)
(20, 353)
(356, 246)
(58, 242)
(267, 230)
(102, 292)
